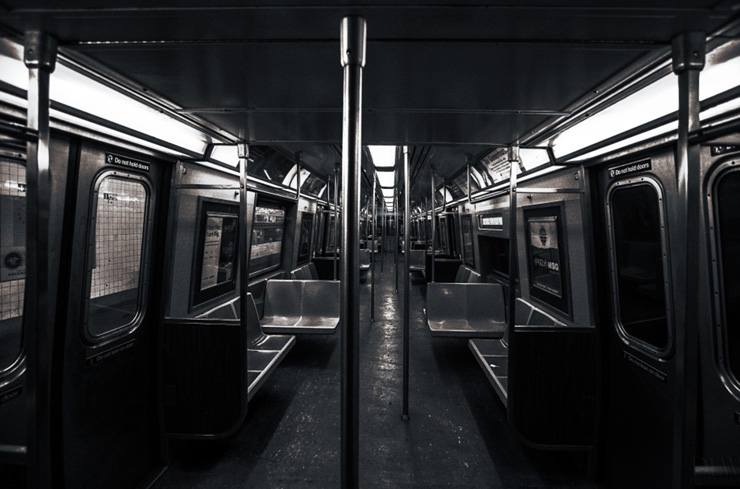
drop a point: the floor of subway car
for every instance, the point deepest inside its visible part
(457, 435)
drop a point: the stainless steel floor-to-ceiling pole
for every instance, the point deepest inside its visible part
(353, 35)
(335, 262)
(434, 225)
(40, 56)
(688, 61)
(406, 281)
(372, 254)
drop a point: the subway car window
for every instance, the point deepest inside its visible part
(115, 267)
(13, 254)
(304, 243)
(267, 239)
(636, 219)
(498, 254)
(467, 236)
(728, 224)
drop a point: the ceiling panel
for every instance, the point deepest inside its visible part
(455, 79)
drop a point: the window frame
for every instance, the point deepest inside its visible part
(722, 353)
(144, 267)
(627, 338)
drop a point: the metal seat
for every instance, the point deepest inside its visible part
(417, 261)
(301, 306)
(466, 310)
(365, 256)
(265, 351)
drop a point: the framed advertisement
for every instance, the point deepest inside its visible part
(547, 256)
(216, 250)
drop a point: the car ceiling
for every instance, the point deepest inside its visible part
(457, 78)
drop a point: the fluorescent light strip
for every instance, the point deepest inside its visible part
(383, 156)
(75, 90)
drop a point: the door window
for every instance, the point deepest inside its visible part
(116, 257)
(638, 260)
(726, 202)
(12, 260)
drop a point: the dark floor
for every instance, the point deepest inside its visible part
(457, 435)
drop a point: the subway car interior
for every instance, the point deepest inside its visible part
(369, 244)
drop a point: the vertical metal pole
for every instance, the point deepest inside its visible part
(336, 219)
(406, 281)
(353, 35)
(244, 243)
(470, 191)
(513, 268)
(398, 231)
(298, 175)
(40, 58)
(382, 236)
(434, 225)
(688, 61)
(372, 258)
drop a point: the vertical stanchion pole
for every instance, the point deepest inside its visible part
(513, 269)
(434, 225)
(40, 58)
(353, 34)
(372, 258)
(406, 281)
(244, 242)
(398, 231)
(298, 175)
(383, 218)
(467, 169)
(336, 219)
(688, 61)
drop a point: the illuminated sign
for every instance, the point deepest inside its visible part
(491, 221)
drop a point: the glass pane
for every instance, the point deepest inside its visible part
(268, 164)
(267, 239)
(467, 234)
(115, 286)
(304, 243)
(728, 217)
(636, 222)
(12, 260)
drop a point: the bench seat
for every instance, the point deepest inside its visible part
(365, 256)
(466, 310)
(493, 357)
(264, 351)
(301, 306)
(493, 354)
(417, 261)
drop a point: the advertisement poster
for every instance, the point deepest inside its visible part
(211, 252)
(545, 254)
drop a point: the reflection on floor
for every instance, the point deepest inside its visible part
(457, 436)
